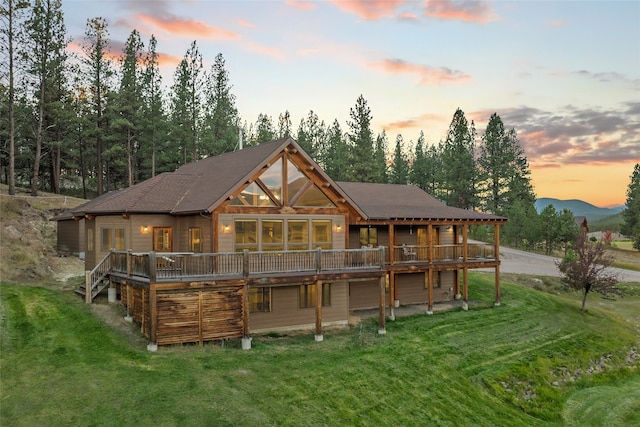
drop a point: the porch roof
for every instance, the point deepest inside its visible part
(390, 201)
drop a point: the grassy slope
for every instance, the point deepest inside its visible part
(487, 366)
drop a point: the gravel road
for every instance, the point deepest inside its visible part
(515, 261)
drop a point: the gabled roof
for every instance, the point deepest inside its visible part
(195, 187)
(389, 201)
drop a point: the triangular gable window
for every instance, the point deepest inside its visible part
(313, 197)
(269, 188)
(252, 195)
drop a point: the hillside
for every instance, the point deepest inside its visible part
(578, 208)
(28, 238)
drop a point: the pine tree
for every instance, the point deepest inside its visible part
(98, 70)
(361, 142)
(129, 102)
(186, 103)
(380, 158)
(631, 215)
(399, 173)
(284, 125)
(504, 169)
(221, 121)
(459, 171)
(337, 154)
(153, 119)
(45, 63)
(264, 129)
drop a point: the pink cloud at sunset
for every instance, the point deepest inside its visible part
(369, 9)
(245, 23)
(426, 76)
(301, 4)
(558, 23)
(466, 10)
(187, 27)
(264, 50)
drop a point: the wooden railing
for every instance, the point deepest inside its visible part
(93, 278)
(442, 253)
(162, 266)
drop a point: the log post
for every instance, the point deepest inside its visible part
(152, 267)
(319, 336)
(87, 287)
(245, 263)
(153, 316)
(497, 251)
(246, 338)
(381, 329)
(392, 244)
(429, 278)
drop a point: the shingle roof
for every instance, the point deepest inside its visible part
(194, 187)
(201, 186)
(389, 201)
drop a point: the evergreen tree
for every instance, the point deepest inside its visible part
(221, 121)
(504, 169)
(380, 158)
(337, 154)
(186, 103)
(399, 173)
(284, 125)
(153, 118)
(311, 136)
(631, 215)
(361, 143)
(264, 129)
(459, 171)
(44, 57)
(129, 102)
(418, 173)
(98, 70)
(12, 12)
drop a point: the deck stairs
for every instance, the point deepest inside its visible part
(96, 280)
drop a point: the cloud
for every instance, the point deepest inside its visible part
(558, 23)
(245, 23)
(575, 135)
(465, 10)
(412, 122)
(264, 50)
(427, 76)
(301, 4)
(369, 9)
(187, 27)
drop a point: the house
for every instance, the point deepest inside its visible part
(262, 239)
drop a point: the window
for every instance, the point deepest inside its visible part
(260, 299)
(112, 238)
(298, 235)
(246, 234)
(308, 295)
(195, 239)
(368, 236)
(321, 234)
(272, 239)
(162, 240)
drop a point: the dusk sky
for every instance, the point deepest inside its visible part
(564, 74)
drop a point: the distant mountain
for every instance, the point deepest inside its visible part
(578, 208)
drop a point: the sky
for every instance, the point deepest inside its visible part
(564, 74)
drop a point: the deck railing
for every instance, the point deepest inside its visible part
(164, 266)
(443, 253)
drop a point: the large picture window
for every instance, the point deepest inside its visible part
(246, 234)
(298, 235)
(272, 235)
(307, 297)
(321, 234)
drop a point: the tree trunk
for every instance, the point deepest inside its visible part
(584, 299)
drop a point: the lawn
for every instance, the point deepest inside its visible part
(535, 360)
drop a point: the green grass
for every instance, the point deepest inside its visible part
(523, 363)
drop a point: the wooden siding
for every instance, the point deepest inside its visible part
(181, 233)
(364, 294)
(199, 316)
(69, 241)
(411, 288)
(136, 301)
(140, 240)
(287, 314)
